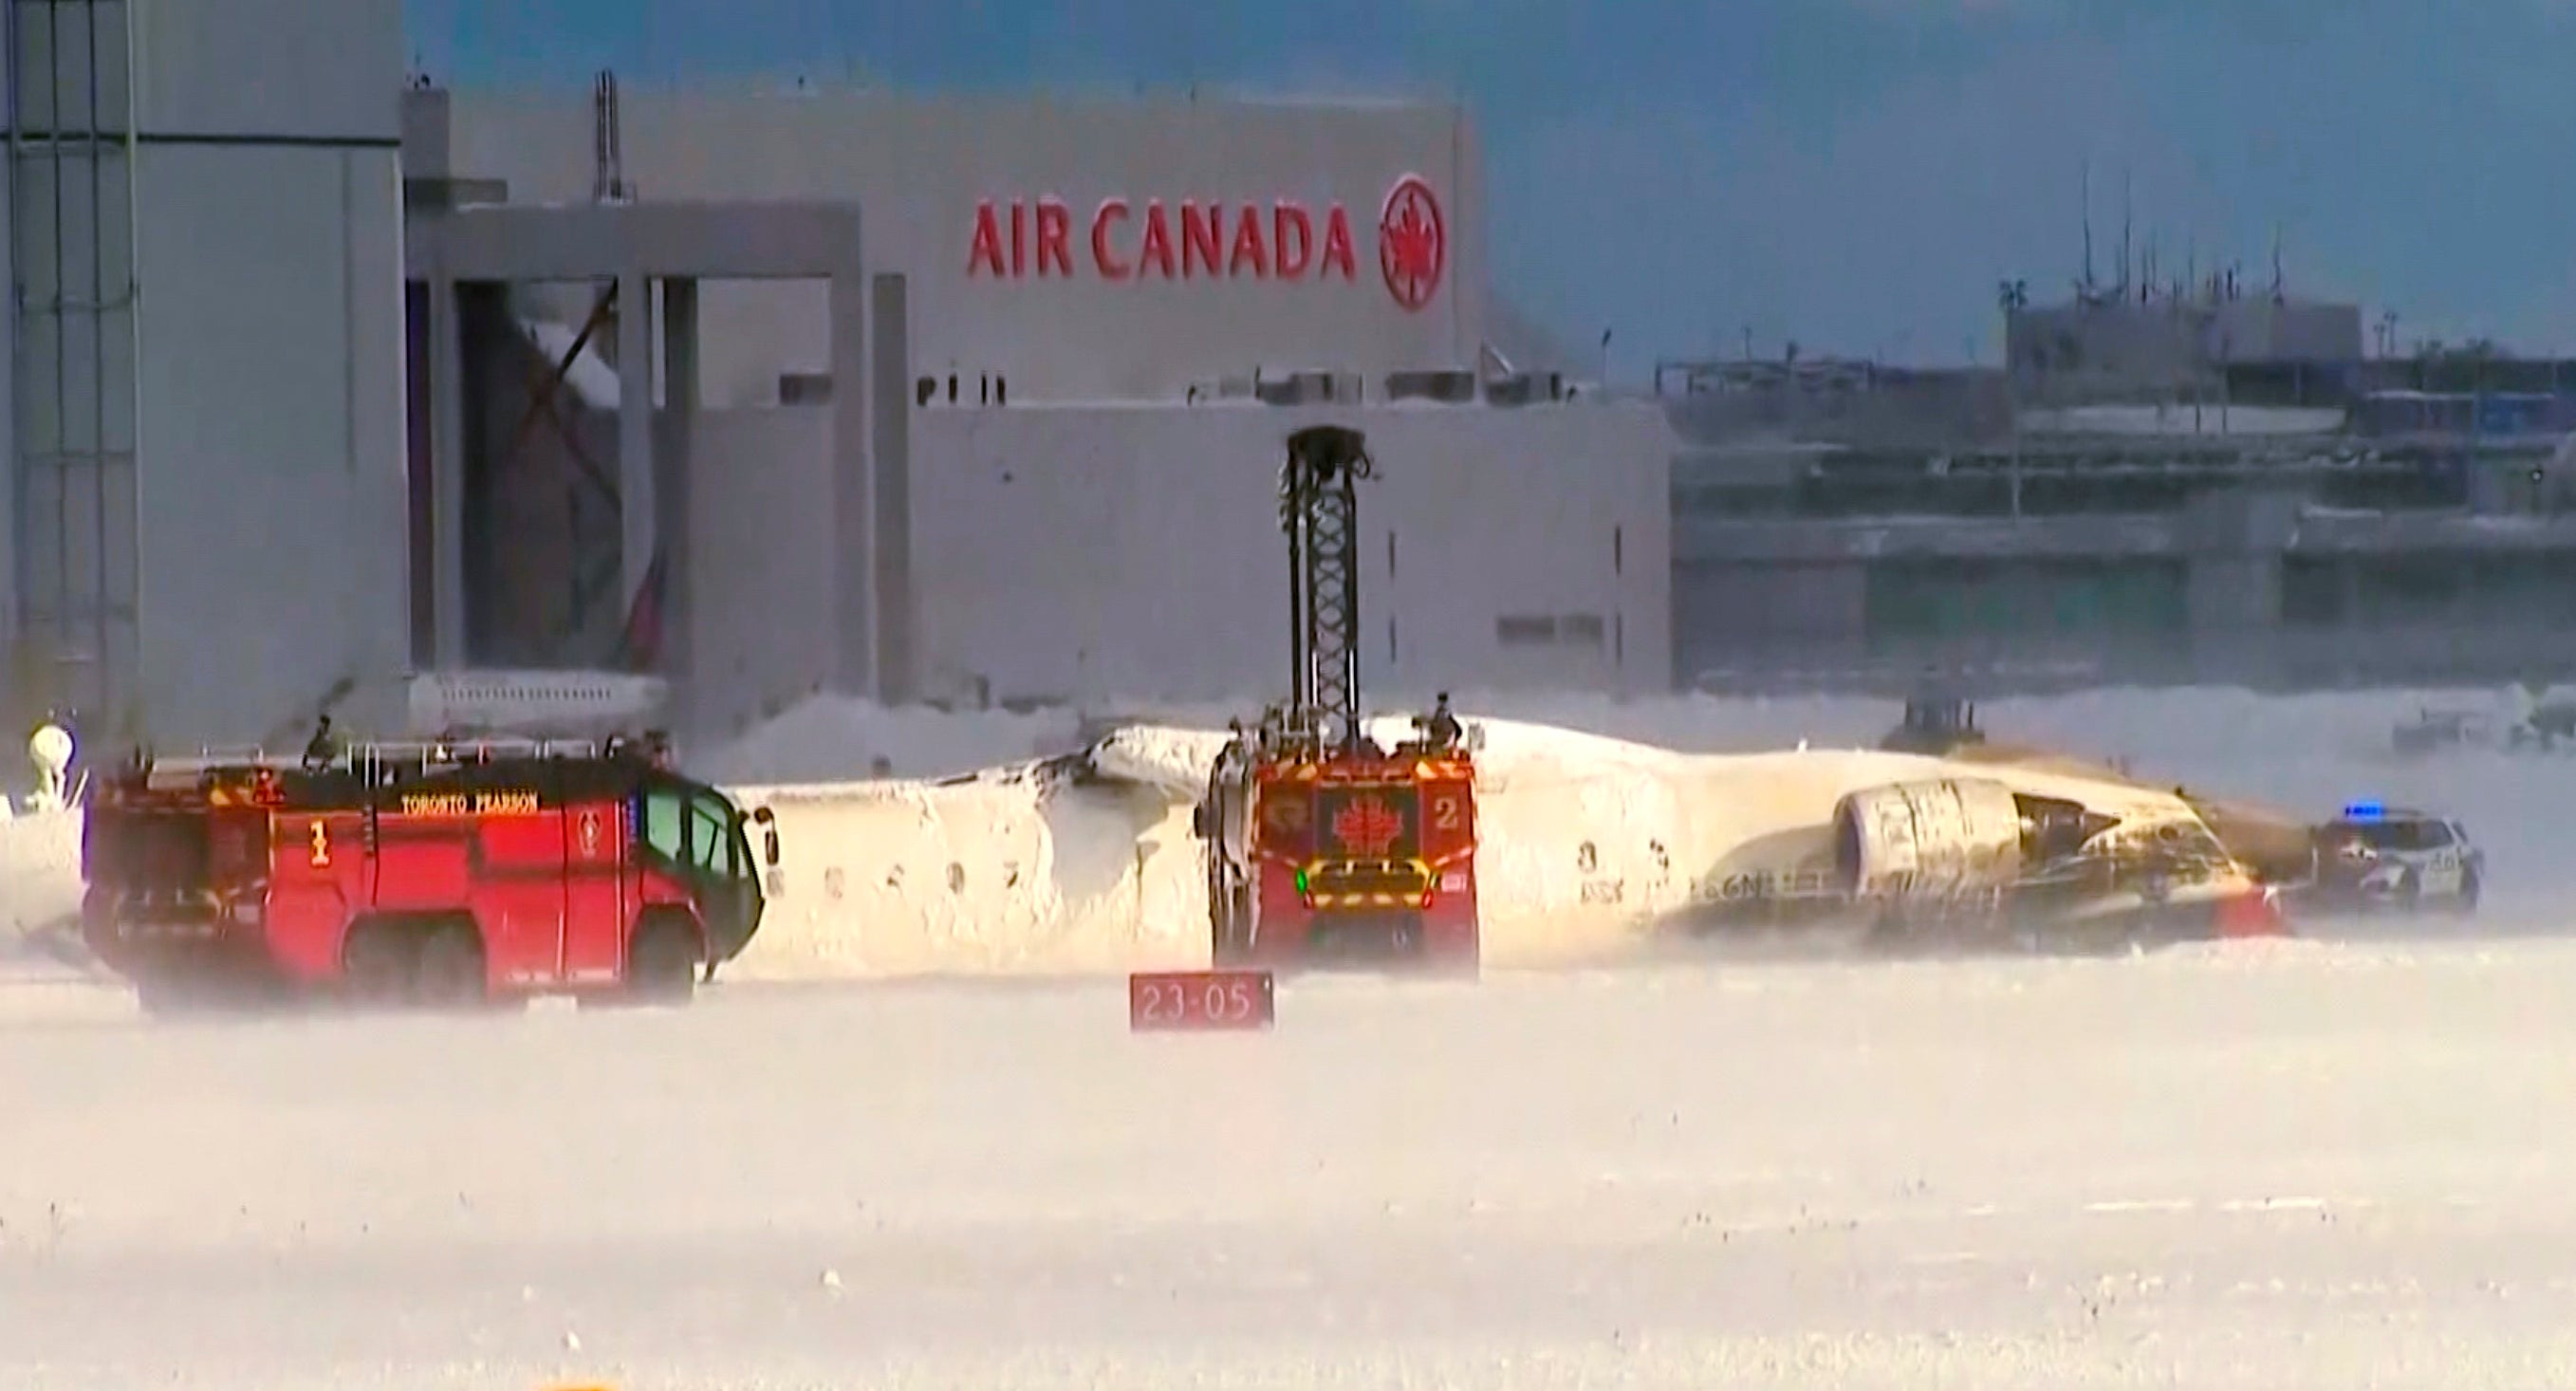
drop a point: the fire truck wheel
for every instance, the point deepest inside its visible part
(451, 973)
(379, 964)
(662, 962)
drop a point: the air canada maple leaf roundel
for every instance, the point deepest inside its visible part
(1412, 242)
(1368, 826)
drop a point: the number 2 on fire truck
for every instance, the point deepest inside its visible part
(321, 847)
(1444, 812)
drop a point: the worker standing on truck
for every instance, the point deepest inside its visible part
(1443, 726)
(323, 748)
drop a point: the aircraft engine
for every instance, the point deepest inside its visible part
(1928, 840)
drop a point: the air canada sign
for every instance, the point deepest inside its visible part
(1190, 240)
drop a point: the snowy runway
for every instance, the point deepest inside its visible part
(2278, 1164)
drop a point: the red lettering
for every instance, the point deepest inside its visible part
(1111, 210)
(1337, 243)
(1158, 240)
(1247, 244)
(1289, 226)
(1287, 248)
(1055, 225)
(986, 258)
(1201, 230)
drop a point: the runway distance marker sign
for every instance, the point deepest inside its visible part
(1200, 1001)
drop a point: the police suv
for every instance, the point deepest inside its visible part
(2375, 856)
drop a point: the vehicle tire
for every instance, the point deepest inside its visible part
(662, 960)
(1229, 918)
(2410, 893)
(2466, 903)
(380, 964)
(451, 973)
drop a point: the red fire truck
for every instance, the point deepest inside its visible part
(1347, 858)
(1320, 845)
(429, 874)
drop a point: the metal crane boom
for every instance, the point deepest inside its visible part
(1319, 509)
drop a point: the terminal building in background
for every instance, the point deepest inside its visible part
(2176, 485)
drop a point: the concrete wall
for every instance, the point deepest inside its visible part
(270, 502)
(256, 537)
(760, 534)
(1104, 552)
(923, 166)
(263, 68)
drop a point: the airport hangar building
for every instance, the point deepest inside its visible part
(1079, 331)
(318, 375)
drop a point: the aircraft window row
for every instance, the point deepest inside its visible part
(548, 693)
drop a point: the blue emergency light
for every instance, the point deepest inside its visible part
(2365, 811)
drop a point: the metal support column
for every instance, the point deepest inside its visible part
(673, 495)
(889, 380)
(447, 470)
(854, 626)
(635, 435)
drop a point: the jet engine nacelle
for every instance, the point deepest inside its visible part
(1930, 840)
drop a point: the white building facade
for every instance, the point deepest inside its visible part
(1115, 310)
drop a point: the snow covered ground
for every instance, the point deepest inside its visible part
(2276, 1165)
(2267, 1164)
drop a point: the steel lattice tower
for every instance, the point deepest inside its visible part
(1319, 509)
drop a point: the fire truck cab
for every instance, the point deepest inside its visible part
(429, 874)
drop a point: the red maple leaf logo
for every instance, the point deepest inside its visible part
(1367, 827)
(1412, 242)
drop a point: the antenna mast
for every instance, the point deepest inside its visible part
(608, 158)
(2124, 234)
(2087, 185)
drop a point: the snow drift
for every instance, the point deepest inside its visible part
(39, 870)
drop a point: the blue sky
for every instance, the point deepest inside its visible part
(1852, 174)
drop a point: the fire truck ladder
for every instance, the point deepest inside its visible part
(1319, 509)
